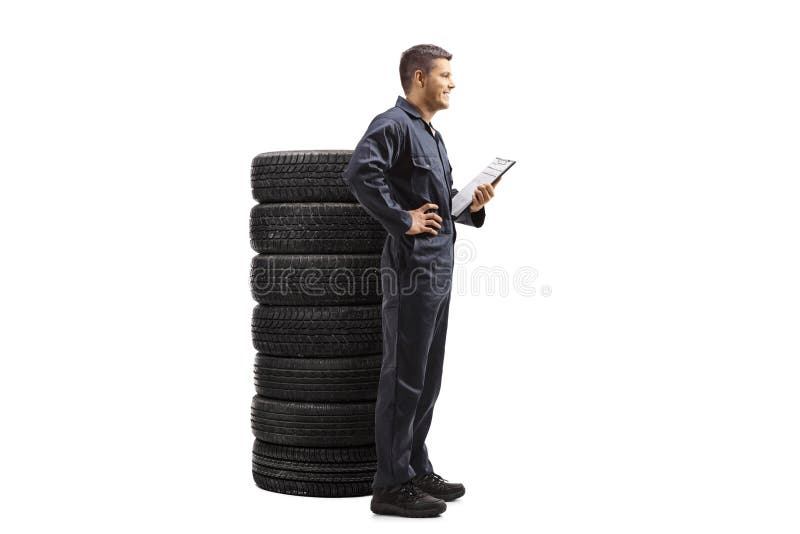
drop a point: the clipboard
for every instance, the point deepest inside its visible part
(491, 174)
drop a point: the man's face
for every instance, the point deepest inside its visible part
(438, 85)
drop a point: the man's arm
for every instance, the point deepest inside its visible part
(467, 217)
(365, 174)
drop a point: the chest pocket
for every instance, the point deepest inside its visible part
(427, 176)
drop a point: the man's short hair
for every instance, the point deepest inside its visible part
(419, 57)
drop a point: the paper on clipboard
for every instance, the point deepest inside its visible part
(490, 174)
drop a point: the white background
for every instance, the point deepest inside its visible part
(655, 390)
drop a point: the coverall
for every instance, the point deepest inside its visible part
(400, 164)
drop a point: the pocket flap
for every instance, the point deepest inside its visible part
(421, 160)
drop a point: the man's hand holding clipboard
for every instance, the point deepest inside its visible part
(477, 193)
(482, 194)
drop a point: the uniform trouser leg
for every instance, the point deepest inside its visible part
(420, 462)
(414, 329)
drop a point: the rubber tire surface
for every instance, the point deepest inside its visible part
(301, 176)
(316, 279)
(313, 424)
(365, 454)
(314, 228)
(314, 472)
(318, 379)
(313, 489)
(317, 331)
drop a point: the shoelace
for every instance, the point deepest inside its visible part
(436, 479)
(409, 489)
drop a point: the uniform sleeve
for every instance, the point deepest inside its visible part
(467, 217)
(365, 174)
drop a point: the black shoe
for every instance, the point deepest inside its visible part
(435, 485)
(406, 500)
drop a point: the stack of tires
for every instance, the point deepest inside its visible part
(316, 327)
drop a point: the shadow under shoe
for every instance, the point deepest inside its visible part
(434, 485)
(405, 500)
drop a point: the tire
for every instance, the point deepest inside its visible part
(301, 176)
(314, 472)
(313, 228)
(348, 456)
(313, 489)
(317, 331)
(318, 379)
(316, 279)
(313, 424)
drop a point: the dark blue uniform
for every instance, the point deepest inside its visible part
(399, 165)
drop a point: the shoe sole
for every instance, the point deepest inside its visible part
(390, 509)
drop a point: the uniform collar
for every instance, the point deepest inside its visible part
(409, 108)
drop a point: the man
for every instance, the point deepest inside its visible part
(400, 174)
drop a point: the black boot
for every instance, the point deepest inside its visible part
(435, 485)
(406, 500)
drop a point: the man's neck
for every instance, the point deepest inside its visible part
(426, 115)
